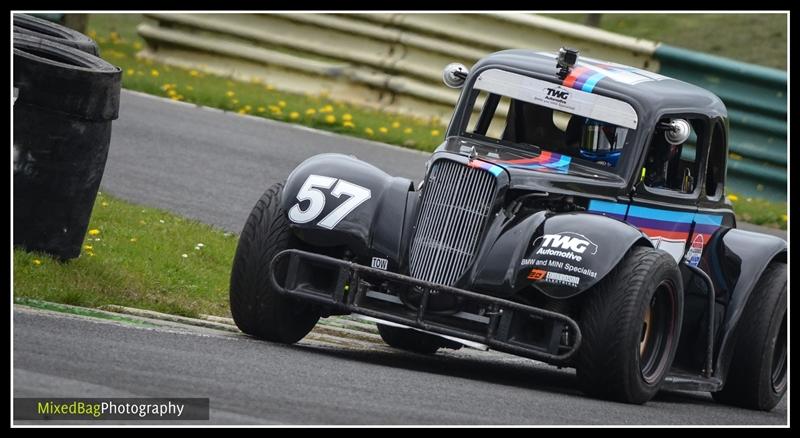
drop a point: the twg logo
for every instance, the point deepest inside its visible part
(556, 93)
(577, 243)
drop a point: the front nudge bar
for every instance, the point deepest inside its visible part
(346, 289)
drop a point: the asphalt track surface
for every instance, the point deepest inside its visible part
(212, 166)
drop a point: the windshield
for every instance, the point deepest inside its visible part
(557, 128)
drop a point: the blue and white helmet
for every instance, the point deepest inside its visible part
(601, 143)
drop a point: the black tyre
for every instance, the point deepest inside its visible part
(30, 25)
(757, 375)
(257, 309)
(65, 102)
(631, 325)
(413, 340)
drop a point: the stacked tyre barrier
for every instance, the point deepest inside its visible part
(65, 98)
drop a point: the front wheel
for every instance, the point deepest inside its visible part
(631, 324)
(257, 308)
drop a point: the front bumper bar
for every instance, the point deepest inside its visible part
(350, 289)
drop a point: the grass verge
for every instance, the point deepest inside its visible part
(119, 42)
(749, 37)
(138, 257)
(80, 311)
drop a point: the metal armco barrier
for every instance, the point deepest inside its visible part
(393, 62)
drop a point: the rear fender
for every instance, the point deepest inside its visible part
(562, 254)
(738, 264)
(338, 200)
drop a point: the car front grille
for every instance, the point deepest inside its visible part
(456, 202)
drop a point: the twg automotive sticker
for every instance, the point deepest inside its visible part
(557, 256)
(695, 251)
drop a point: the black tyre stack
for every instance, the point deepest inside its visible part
(65, 100)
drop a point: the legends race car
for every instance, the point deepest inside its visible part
(575, 214)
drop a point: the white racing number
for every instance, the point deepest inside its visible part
(310, 191)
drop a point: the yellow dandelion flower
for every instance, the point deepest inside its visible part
(171, 92)
(282, 104)
(91, 254)
(194, 73)
(369, 131)
(166, 87)
(269, 87)
(242, 111)
(395, 125)
(326, 109)
(733, 198)
(137, 45)
(104, 204)
(94, 232)
(347, 117)
(133, 239)
(88, 247)
(311, 111)
(230, 93)
(383, 129)
(330, 119)
(274, 108)
(261, 109)
(348, 124)
(235, 101)
(784, 217)
(130, 72)
(435, 133)
(294, 115)
(408, 131)
(37, 262)
(154, 73)
(248, 108)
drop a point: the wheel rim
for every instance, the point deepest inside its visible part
(779, 360)
(647, 331)
(656, 338)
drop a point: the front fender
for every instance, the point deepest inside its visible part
(561, 255)
(376, 223)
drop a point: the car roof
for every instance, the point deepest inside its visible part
(647, 89)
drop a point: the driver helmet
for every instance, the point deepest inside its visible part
(600, 143)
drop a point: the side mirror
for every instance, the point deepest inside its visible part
(454, 75)
(677, 131)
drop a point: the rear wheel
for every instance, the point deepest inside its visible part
(413, 340)
(631, 324)
(257, 308)
(757, 375)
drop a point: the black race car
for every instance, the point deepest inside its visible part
(575, 214)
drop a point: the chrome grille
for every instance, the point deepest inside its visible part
(455, 205)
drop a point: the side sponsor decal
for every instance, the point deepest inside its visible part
(695, 250)
(554, 277)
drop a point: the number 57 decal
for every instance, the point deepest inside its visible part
(310, 192)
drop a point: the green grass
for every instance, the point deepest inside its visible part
(116, 35)
(136, 260)
(749, 37)
(119, 42)
(759, 211)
